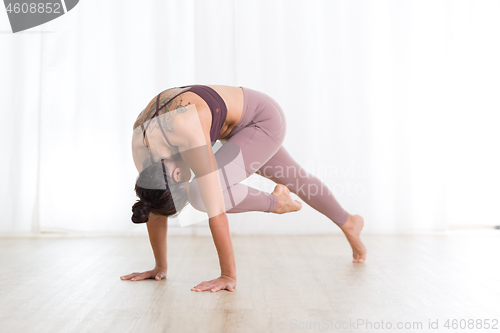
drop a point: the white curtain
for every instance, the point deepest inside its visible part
(393, 104)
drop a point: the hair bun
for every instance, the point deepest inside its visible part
(141, 211)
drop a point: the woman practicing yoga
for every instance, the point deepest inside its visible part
(173, 136)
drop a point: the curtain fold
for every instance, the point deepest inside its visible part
(20, 66)
(393, 104)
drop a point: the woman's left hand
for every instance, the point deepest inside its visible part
(221, 283)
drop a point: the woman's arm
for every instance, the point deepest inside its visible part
(222, 238)
(195, 149)
(219, 227)
(204, 166)
(157, 229)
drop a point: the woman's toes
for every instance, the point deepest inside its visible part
(358, 258)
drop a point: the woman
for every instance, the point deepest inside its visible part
(174, 135)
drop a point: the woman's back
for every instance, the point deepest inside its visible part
(232, 97)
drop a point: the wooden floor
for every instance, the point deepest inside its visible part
(285, 284)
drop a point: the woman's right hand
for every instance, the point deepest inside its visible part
(157, 273)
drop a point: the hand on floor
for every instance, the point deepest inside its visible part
(157, 273)
(221, 283)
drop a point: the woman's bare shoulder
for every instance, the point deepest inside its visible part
(173, 98)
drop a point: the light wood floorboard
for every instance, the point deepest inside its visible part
(284, 283)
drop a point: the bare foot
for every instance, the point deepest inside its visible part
(286, 203)
(352, 229)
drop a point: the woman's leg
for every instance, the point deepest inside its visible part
(237, 159)
(283, 169)
(256, 148)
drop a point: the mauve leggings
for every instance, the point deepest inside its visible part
(258, 137)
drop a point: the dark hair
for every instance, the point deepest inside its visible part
(158, 194)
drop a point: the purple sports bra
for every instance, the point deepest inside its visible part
(215, 103)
